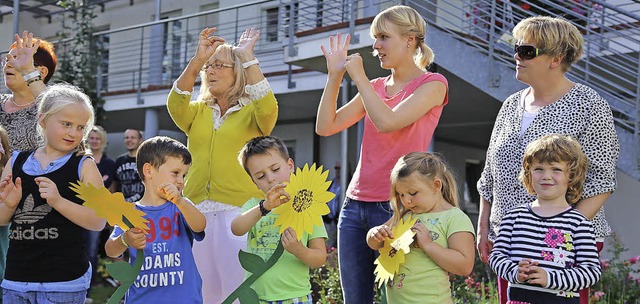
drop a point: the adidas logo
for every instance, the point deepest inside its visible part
(30, 215)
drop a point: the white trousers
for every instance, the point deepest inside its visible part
(217, 257)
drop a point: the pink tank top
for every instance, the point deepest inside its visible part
(379, 152)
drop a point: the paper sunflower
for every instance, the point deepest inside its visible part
(110, 206)
(392, 253)
(309, 197)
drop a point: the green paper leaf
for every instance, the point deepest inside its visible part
(248, 296)
(122, 271)
(250, 262)
(128, 278)
(244, 290)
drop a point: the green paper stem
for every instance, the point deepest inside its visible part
(132, 273)
(244, 291)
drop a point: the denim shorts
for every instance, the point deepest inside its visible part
(43, 297)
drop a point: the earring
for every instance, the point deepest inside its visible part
(408, 45)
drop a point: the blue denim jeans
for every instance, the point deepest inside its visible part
(43, 297)
(354, 255)
(92, 241)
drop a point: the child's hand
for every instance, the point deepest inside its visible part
(523, 270)
(170, 192)
(537, 275)
(135, 238)
(10, 193)
(276, 196)
(381, 233)
(290, 241)
(423, 236)
(48, 191)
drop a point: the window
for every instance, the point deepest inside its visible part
(272, 24)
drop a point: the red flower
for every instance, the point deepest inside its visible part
(526, 6)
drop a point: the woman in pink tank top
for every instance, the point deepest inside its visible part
(400, 113)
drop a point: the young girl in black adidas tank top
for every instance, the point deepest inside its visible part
(46, 261)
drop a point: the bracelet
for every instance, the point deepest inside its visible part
(250, 63)
(123, 241)
(263, 210)
(34, 79)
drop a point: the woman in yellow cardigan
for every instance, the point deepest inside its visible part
(235, 104)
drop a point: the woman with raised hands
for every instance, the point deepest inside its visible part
(401, 112)
(235, 104)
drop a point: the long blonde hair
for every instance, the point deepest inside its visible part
(226, 54)
(409, 21)
(58, 96)
(430, 166)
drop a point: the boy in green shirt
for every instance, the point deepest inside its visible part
(267, 162)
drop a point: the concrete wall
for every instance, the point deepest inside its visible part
(622, 210)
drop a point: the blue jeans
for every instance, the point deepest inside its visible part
(354, 255)
(43, 297)
(92, 241)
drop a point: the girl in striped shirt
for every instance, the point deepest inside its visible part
(546, 249)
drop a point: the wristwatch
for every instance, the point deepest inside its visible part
(32, 77)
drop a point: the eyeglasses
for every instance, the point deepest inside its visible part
(527, 52)
(216, 65)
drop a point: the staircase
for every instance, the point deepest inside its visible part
(472, 40)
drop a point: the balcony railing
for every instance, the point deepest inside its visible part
(611, 63)
(152, 55)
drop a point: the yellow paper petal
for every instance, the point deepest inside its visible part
(391, 257)
(309, 197)
(110, 206)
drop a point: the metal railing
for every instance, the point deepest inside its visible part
(610, 64)
(152, 55)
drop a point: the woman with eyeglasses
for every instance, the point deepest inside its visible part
(401, 112)
(27, 67)
(546, 49)
(235, 104)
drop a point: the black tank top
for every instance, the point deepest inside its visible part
(44, 245)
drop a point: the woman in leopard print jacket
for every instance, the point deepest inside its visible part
(545, 50)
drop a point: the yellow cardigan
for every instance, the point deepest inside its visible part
(215, 173)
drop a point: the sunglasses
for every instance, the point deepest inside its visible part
(527, 52)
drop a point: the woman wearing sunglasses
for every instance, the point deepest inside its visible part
(546, 49)
(401, 112)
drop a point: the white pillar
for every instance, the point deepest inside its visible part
(150, 123)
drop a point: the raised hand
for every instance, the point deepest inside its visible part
(48, 191)
(22, 59)
(355, 67)
(276, 196)
(246, 43)
(10, 193)
(170, 192)
(207, 44)
(336, 56)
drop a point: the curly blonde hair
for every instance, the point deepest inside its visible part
(557, 148)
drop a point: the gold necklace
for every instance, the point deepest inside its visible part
(19, 105)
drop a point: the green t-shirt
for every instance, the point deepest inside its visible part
(420, 279)
(289, 277)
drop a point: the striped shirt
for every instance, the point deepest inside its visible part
(563, 245)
